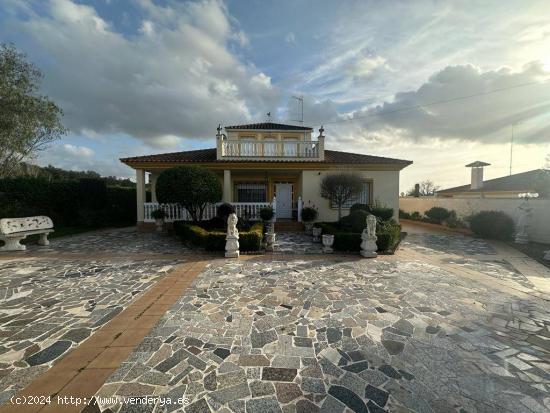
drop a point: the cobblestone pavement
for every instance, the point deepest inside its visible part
(119, 240)
(48, 306)
(296, 243)
(403, 333)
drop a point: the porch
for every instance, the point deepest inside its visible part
(247, 190)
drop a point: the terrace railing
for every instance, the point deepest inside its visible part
(270, 149)
(174, 212)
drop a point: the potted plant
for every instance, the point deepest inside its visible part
(317, 233)
(309, 214)
(328, 241)
(158, 215)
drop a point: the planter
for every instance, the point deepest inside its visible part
(317, 234)
(328, 241)
(269, 241)
(309, 227)
(159, 222)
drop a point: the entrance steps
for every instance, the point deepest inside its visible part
(288, 226)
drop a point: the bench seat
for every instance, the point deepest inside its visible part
(13, 230)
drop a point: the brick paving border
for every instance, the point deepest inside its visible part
(84, 370)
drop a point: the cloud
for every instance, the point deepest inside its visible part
(77, 151)
(486, 118)
(290, 38)
(176, 76)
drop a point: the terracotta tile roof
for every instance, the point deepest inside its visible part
(269, 126)
(209, 155)
(522, 182)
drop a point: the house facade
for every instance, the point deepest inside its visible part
(273, 164)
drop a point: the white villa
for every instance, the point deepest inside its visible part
(272, 164)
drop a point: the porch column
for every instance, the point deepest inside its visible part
(140, 194)
(227, 190)
(153, 181)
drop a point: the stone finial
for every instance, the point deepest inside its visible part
(219, 129)
(321, 131)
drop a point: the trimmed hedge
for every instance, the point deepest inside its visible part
(492, 224)
(387, 232)
(88, 202)
(438, 214)
(384, 213)
(214, 239)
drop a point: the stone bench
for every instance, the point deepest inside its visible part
(13, 230)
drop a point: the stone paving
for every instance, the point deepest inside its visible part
(296, 243)
(48, 307)
(119, 240)
(338, 334)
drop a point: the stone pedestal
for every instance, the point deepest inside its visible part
(269, 241)
(368, 245)
(232, 247)
(317, 234)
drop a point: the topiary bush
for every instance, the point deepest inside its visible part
(266, 214)
(388, 235)
(309, 214)
(224, 210)
(382, 212)
(355, 221)
(492, 225)
(437, 214)
(191, 187)
(404, 214)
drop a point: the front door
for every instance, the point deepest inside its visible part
(283, 192)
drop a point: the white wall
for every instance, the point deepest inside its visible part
(539, 228)
(385, 188)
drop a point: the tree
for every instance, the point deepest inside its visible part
(28, 121)
(341, 188)
(426, 188)
(191, 187)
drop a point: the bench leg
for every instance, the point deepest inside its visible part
(43, 240)
(12, 244)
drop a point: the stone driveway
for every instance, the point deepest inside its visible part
(447, 324)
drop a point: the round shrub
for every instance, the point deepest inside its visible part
(492, 224)
(309, 214)
(266, 214)
(354, 222)
(384, 213)
(438, 214)
(359, 207)
(192, 187)
(224, 210)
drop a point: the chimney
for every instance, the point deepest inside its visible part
(477, 174)
(416, 190)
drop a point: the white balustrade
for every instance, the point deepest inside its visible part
(269, 148)
(174, 212)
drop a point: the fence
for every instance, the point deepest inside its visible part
(176, 213)
(539, 227)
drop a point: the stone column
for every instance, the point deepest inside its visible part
(153, 181)
(140, 194)
(227, 190)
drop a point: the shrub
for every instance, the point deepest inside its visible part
(360, 207)
(354, 222)
(438, 214)
(492, 224)
(388, 234)
(192, 187)
(416, 216)
(382, 212)
(404, 214)
(224, 210)
(214, 240)
(266, 214)
(309, 214)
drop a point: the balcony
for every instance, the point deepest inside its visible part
(272, 150)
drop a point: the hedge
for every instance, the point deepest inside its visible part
(88, 202)
(492, 224)
(388, 234)
(214, 240)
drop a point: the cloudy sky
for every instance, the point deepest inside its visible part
(148, 76)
